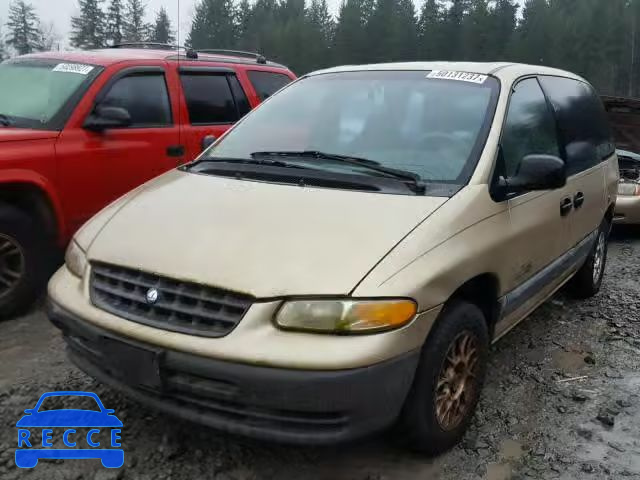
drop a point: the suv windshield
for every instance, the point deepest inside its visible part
(34, 92)
(433, 128)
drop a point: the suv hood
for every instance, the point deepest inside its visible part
(263, 239)
(8, 134)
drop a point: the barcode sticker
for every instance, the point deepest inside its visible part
(73, 68)
(459, 76)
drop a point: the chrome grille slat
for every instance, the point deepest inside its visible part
(181, 306)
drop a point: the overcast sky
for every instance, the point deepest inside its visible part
(181, 11)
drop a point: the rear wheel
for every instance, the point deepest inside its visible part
(25, 261)
(448, 380)
(587, 281)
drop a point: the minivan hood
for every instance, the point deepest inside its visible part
(267, 240)
(8, 134)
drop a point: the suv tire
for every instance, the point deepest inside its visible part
(587, 281)
(25, 260)
(450, 373)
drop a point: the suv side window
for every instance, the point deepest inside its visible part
(530, 127)
(210, 99)
(144, 96)
(582, 120)
(267, 83)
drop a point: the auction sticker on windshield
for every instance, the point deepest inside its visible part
(73, 68)
(459, 76)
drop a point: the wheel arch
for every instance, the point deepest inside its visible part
(35, 195)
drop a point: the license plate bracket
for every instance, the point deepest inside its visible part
(133, 365)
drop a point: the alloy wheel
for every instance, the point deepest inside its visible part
(598, 257)
(456, 387)
(12, 264)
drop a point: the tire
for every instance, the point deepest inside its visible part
(419, 426)
(25, 261)
(587, 281)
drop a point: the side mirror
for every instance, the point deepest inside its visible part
(536, 172)
(207, 142)
(103, 118)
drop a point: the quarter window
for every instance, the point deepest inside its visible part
(530, 127)
(584, 126)
(209, 98)
(144, 96)
(267, 83)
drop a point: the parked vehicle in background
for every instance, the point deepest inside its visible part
(342, 259)
(628, 204)
(80, 129)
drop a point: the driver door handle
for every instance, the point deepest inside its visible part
(566, 205)
(578, 200)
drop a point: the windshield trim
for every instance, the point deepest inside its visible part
(58, 121)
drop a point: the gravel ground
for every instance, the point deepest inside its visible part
(562, 400)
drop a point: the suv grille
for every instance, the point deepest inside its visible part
(180, 306)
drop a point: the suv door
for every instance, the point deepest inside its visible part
(540, 230)
(587, 142)
(96, 167)
(214, 101)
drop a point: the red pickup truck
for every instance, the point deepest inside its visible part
(80, 129)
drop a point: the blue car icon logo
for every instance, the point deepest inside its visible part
(94, 428)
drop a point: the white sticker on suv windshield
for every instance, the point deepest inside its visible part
(73, 68)
(460, 76)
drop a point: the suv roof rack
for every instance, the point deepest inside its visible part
(189, 52)
(241, 53)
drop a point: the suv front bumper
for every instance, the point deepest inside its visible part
(293, 406)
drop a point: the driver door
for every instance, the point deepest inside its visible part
(96, 167)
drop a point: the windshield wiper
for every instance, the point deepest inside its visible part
(244, 161)
(413, 179)
(5, 121)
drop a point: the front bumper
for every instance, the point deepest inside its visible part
(293, 406)
(627, 210)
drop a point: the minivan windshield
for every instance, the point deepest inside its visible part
(403, 120)
(34, 92)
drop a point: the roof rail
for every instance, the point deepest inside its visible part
(259, 57)
(189, 52)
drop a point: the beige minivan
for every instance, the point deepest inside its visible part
(341, 260)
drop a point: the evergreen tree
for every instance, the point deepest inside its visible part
(392, 31)
(503, 26)
(430, 30)
(261, 28)
(134, 27)
(452, 45)
(23, 25)
(476, 32)
(213, 26)
(320, 26)
(243, 15)
(114, 23)
(350, 41)
(87, 29)
(3, 49)
(533, 34)
(162, 30)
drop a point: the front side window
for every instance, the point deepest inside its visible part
(209, 98)
(432, 128)
(583, 122)
(39, 93)
(267, 83)
(529, 128)
(144, 96)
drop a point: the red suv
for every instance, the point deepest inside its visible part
(79, 129)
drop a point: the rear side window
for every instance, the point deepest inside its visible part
(583, 123)
(238, 93)
(209, 98)
(144, 96)
(530, 127)
(267, 83)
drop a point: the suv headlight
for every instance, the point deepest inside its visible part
(629, 189)
(345, 316)
(75, 259)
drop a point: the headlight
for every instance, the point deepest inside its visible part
(345, 316)
(75, 259)
(629, 189)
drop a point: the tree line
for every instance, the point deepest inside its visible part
(598, 39)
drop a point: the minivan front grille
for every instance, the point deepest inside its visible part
(166, 303)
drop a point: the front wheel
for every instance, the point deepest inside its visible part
(448, 380)
(587, 281)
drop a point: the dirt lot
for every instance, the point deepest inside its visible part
(536, 419)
